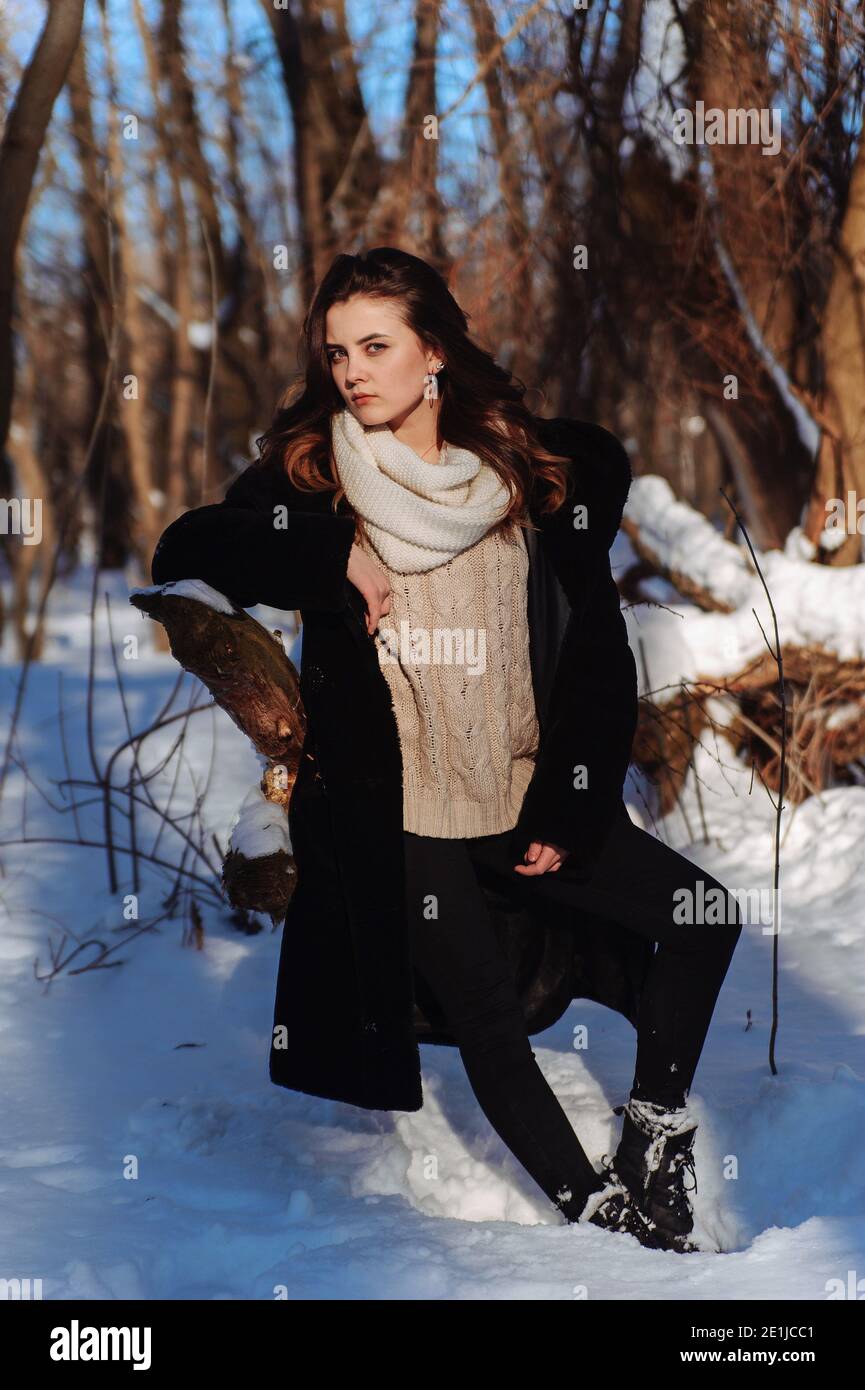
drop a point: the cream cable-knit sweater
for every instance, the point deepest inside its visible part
(454, 650)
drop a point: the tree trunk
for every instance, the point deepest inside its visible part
(336, 165)
(841, 463)
(108, 470)
(132, 414)
(25, 130)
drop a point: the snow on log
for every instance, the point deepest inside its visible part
(684, 547)
(712, 644)
(191, 588)
(820, 608)
(259, 872)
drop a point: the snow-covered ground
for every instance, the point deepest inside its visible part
(159, 1067)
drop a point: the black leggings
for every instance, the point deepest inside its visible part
(456, 951)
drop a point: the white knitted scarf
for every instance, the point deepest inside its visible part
(418, 515)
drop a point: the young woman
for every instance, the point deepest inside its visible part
(471, 704)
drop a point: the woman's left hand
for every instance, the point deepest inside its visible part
(541, 858)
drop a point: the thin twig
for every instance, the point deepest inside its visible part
(779, 807)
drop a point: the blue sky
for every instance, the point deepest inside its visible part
(382, 50)
(382, 35)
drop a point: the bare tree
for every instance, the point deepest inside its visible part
(337, 167)
(841, 463)
(23, 137)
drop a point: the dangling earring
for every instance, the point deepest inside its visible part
(431, 385)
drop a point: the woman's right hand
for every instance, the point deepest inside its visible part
(371, 583)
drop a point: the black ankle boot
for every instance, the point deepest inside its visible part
(655, 1151)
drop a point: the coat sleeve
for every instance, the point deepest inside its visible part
(252, 549)
(576, 789)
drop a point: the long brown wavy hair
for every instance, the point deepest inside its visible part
(481, 403)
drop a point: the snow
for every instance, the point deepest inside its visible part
(261, 827)
(190, 588)
(816, 605)
(685, 540)
(145, 1154)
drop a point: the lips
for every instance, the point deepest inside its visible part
(364, 396)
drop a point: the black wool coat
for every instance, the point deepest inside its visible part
(349, 1010)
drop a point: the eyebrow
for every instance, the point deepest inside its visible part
(366, 339)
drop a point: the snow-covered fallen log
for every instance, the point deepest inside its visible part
(820, 608)
(713, 645)
(682, 545)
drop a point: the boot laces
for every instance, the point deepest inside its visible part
(686, 1161)
(681, 1163)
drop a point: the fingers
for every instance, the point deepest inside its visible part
(547, 859)
(372, 585)
(378, 607)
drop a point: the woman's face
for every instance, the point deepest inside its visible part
(373, 353)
